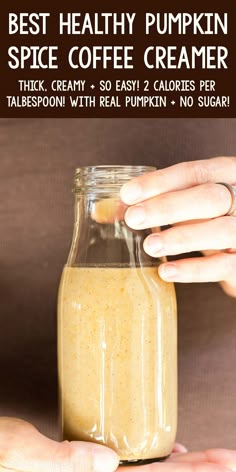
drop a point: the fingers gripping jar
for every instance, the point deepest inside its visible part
(117, 334)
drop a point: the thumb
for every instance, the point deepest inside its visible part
(24, 448)
(82, 457)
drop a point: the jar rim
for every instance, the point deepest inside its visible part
(107, 176)
(115, 166)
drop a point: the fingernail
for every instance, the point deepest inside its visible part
(168, 271)
(131, 193)
(180, 448)
(153, 244)
(135, 216)
(106, 462)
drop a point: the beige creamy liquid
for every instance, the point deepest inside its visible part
(117, 359)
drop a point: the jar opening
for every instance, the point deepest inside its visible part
(110, 177)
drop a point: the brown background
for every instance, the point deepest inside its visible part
(225, 79)
(37, 162)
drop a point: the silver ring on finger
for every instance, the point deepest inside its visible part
(232, 190)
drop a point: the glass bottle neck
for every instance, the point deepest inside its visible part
(106, 179)
(101, 236)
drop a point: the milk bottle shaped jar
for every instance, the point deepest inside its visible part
(117, 328)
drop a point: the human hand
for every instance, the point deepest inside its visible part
(186, 196)
(211, 460)
(24, 448)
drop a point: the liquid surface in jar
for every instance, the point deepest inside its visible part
(117, 359)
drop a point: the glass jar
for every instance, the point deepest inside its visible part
(117, 333)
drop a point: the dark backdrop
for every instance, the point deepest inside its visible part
(37, 162)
